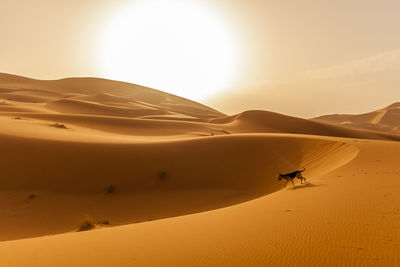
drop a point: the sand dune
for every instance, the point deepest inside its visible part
(241, 167)
(259, 121)
(171, 182)
(385, 120)
(82, 107)
(93, 87)
(158, 113)
(346, 217)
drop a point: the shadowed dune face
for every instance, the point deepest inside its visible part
(78, 166)
(149, 180)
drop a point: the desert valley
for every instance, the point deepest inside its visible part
(95, 172)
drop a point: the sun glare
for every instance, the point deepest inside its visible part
(179, 47)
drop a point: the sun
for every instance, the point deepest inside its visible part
(180, 47)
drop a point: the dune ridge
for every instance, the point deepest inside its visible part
(385, 120)
(241, 167)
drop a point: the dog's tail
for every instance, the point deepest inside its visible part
(303, 169)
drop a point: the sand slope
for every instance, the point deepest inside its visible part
(347, 217)
(70, 180)
(385, 120)
(181, 184)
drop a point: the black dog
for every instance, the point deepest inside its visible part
(290, 176)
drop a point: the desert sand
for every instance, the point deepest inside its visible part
(385, 120)
(166, 181)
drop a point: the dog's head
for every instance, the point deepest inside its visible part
(280, 177)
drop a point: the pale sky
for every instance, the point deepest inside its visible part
(301, 57)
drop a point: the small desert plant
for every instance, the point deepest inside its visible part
(162, 175)
(32, 196)
(103, 222)
(59, 125)
(110, 189)
(86, 224)
(17, 118)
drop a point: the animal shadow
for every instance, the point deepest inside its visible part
(307, 185)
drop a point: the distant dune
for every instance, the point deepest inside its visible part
(98, 103)
(383, 120)
(166, 181)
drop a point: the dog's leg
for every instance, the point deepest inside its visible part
(301, 177)
(292, 182)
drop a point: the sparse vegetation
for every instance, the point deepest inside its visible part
(86, 224)
(110, 189)
(105, 222)
(17, 118)
(32, 196)
(89, 224)
(162, 175)
(59, 125)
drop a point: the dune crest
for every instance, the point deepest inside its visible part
(241, 167)
(384, 120)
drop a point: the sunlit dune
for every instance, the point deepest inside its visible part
(384, 120)
(163, 180)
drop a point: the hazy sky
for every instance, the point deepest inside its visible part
(299, 57)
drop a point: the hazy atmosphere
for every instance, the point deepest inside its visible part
(199, 133)
(302, 58)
